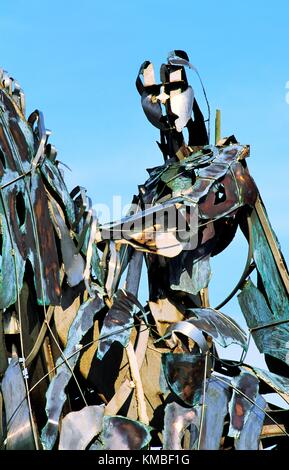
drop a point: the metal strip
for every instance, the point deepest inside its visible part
(190, 331)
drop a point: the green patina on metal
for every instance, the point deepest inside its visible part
(272, 339)
(266, 266)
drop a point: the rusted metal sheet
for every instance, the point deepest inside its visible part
(22, 240)
(114, 269)
(272, 242)
(277, 382)
(48, 259)
(18, 136)
(141, 231)
(191, 280)
(188, 330)
(273, 382)
(3, 349)
(254, 306)
(229, 193)
(27, 234)
(165, 314)
(55, 181)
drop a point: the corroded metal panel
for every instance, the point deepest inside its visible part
(120, 433)
(266, 266)
(269, 337)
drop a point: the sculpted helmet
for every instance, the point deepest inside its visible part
(171, 106)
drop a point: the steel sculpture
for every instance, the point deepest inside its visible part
(82, 363)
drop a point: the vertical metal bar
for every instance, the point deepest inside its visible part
(217, 126)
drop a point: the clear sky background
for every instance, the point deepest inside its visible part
(77, 62)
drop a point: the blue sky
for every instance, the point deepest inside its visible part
(77, 62)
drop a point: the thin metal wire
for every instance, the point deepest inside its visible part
(207, 101)
(15, 179)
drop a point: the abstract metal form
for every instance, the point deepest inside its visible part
(83, 365)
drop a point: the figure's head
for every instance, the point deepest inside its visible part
(169, 104)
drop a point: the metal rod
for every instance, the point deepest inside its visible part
(217, 126)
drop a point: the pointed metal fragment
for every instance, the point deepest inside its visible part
(177, 420)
